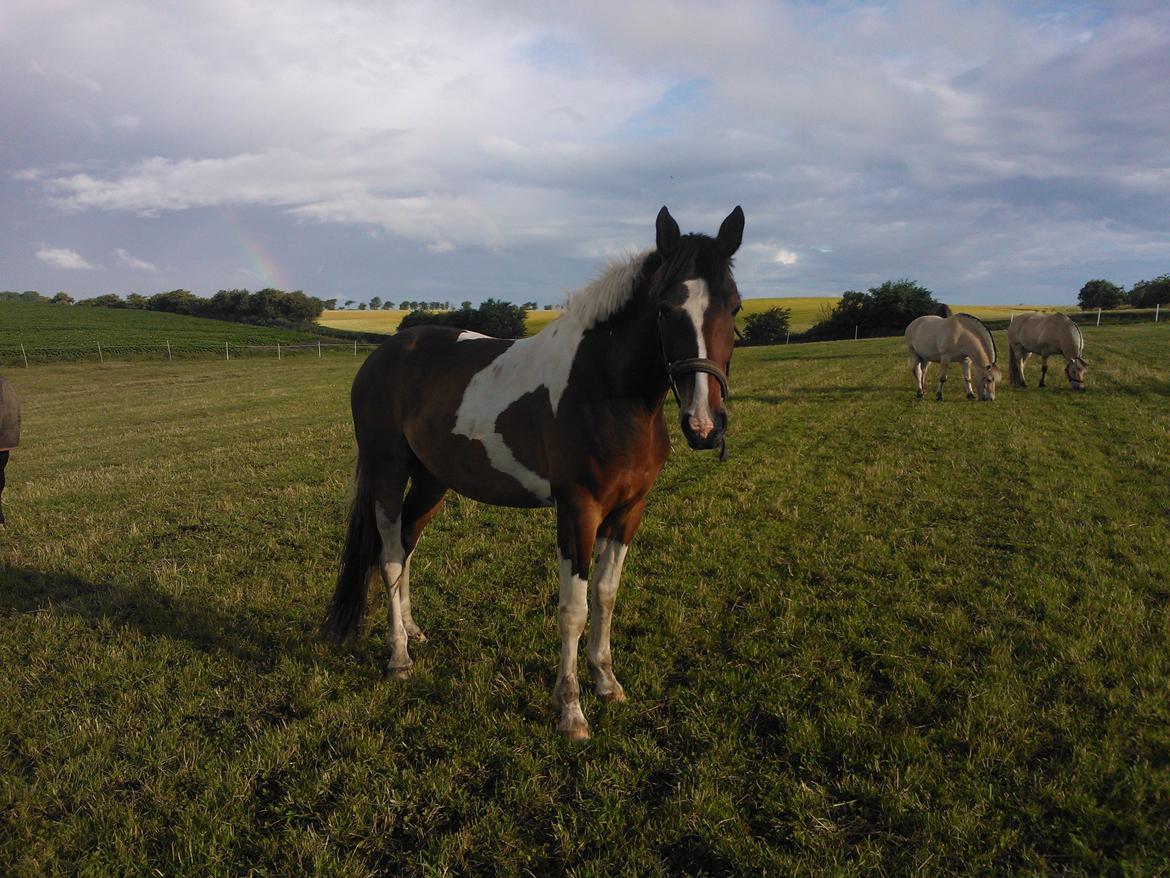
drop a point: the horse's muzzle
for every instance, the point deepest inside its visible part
(714, 437)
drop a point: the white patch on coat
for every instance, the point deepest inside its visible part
(698, 298)
(468, 335)
(544, 360)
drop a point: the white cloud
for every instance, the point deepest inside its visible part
(130, 261)
(63, 257)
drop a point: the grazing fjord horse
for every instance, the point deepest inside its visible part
(1046, 334)
(933, 339)
(572, 417)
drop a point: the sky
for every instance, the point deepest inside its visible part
(996, 153)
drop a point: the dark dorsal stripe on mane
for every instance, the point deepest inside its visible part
(1080, 338)
(990, 337)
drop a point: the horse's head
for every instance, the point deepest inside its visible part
(1074, 370)
(697, 300)
(988, 376)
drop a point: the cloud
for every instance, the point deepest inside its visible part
(129, 261)
(63, 257)
(961, 141)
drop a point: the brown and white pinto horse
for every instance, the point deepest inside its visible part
(572, 417)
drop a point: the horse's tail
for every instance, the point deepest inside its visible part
(363, 545)
(1017, 368)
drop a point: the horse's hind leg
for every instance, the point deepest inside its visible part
(942, 379)
(389, 482)
(421, 503)
(918, 370)
(1043, 369)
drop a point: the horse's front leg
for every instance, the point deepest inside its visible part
(1043, 369)
(576, 533)
(614, 540)
(967, 379)
(942, 378)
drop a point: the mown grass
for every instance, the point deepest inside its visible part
(886, 637)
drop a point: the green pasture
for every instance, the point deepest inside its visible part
(887, 637)
(64, 332)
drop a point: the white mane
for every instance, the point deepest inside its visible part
(605, 296)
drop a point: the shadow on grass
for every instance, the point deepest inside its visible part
(251, 636)
(811, 393)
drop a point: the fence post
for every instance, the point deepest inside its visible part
(1098, 316)
(23, 354)
(787, 336)
(169, 349)
(100, 358)
(226, 355)
(278, 350)
(856, 329)
(1157, 310)
(318, 350)
(355, 347)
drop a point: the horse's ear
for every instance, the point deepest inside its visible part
(668, 233)
(731, 232)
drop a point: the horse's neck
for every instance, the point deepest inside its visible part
(978, 347)
(629, 358)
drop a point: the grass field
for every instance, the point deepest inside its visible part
(61, 332)
(885, 637)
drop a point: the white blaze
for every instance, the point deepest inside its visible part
(698, 298)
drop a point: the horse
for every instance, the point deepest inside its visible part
(572, 417)
(934, 339)
(1046, 334)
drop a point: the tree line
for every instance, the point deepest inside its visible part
(1108, 295)
(268, 307)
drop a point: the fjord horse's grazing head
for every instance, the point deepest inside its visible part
(697, 301)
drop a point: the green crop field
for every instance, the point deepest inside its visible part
(63, 332)
(887, 637)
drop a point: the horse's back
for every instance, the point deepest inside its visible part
(922, 336)
(1044, 334)
(418, 370)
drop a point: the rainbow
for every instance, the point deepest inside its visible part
(262, 263)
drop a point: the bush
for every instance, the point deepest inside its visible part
(1148, 293)
(767, 327)
(884, 310)
(1100, 294)
(493, 317)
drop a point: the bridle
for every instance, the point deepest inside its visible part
(691, 366)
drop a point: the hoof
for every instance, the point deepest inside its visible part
(970, 396)
(617, 696)
(416, 634)
(938, 397)
(402, 673)
(574, 730)
(918, 395)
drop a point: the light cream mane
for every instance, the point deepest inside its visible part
(604, 297)
(978, 327)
